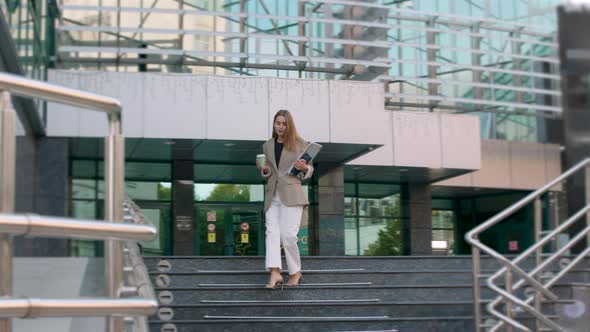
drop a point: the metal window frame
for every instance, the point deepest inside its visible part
(178, 52)
(554, 60)
(257, 35)
(482, 68)
(554, 109)
(474, 34)
(401, 79)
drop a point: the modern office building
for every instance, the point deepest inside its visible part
(434, 116)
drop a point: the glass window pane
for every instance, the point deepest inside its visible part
(380, 207)
(84, 169)
(148, 190)
(157, 218)
(443, 241)
(85, 189)
(349, 199)
(443, 232)
(349, 206)
(148, 172)
(83, 248)
(442, 219)
(380, 237)
(350, 237)
(229, 192)
(84, 209)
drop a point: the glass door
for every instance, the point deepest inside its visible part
(247, 231)
(210, 233)
(229, 230)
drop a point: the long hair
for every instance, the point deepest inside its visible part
(291, 138)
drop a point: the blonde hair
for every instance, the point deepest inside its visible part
(291, 138)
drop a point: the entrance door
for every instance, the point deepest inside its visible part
(229, 230)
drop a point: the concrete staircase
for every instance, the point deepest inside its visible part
(338, 294)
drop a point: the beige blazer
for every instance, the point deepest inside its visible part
(288, 186)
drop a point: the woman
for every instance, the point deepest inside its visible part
(284, 199)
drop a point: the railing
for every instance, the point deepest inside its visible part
(114, 189)
(74, 229)
(138, 277)
(537, 285)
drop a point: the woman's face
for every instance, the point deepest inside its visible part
(280, 125)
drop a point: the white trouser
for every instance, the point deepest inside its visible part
(282, 226)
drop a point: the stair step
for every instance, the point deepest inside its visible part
(371, 331)
(321, 277)
(266, 272)
(303, 292)
(335, 284)
(290, 301)
(405, 324)
(379, 277)
(338, 294)
(413, 324)
(300, 319)
(332, 309)
(391, 293)
(410, 263)
(303, 308)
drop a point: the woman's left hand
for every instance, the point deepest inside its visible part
(301, 165)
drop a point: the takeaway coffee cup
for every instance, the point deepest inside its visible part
(261, 158)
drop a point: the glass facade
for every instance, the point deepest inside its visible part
(149, 185)
(29, 32)
(31, 27)
(492, 58)
(489, 57)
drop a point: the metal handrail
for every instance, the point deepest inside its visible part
(142, 283)
(581, 235)
(92, 307)
(34, 225)
(79, 229)
(25, 87)
(472, 237)
(544, 241)
(114, 174)
(140, 276)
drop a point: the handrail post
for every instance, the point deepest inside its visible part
(7, 176)
(554, 203)
(587, 192)
(538, 253)
(475, 257)
(509, 311)
(114, 190)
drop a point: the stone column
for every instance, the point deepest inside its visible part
(416, 201)
(331, 210)
(42, 170)
(183, 210)
(575, 90)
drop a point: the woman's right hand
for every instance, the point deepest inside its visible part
(264, 169)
